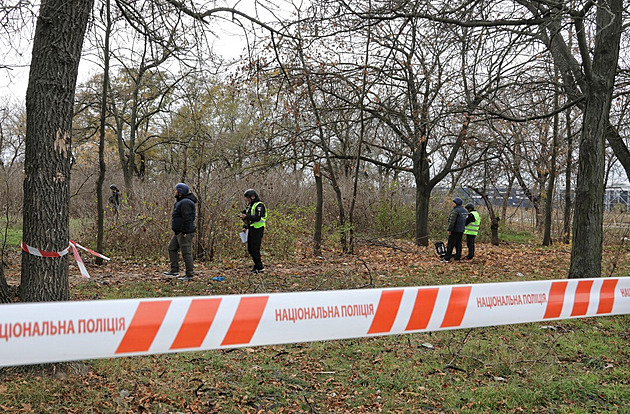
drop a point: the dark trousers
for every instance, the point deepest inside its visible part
(454, 240)
(470, 243)
(181, 242)
(254, 241)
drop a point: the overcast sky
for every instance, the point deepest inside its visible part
(229, 43)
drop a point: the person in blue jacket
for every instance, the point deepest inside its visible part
(456, 227)
(183, 226)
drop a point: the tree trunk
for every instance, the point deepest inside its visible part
(5, 290)
(100, 214)
(586, 252)
(49, 107)
(494, 220)
(319, 212)
(494, 230)
(423, 196)
(552, 173)
(202, 251)
(566, 226)
(506, 198)
(322, 139)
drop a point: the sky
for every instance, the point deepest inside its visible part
(229, 43)
(14, 81)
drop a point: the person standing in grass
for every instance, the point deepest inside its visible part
(472, 229)
(455, 230)
(183, 226)
(254, 220)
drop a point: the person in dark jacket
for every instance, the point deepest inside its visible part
(114, 199)
(183, 225)
(456, 227)
(254, 220)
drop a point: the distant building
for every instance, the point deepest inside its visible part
(517, 197)
(617, 199)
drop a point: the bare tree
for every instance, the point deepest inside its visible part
(100, 214)
(549, 195)
(12, 152)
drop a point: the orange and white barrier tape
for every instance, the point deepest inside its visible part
(33, 333)
(73, 245)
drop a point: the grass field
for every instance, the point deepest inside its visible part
(10, 236)
(575, 366)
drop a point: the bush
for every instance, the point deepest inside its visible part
(286, 224)
(394, 219)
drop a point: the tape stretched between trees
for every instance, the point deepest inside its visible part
(73, 245)
(34, 333)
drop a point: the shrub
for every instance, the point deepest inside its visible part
(286, 224)
(393, 219)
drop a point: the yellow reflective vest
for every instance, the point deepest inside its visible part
(473, 228)
(262, 221)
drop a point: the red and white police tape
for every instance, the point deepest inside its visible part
(73, 245)
(33, 333)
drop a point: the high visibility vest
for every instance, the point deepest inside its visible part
(473, 228)
(262, 221)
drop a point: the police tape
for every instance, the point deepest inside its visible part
(72, 245)
(63, 331)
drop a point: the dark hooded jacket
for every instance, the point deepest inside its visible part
(184, 214)
(457, 219)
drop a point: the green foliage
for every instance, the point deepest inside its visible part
(514, 236)
(390, 218)
(285, 224)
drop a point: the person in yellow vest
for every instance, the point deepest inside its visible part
(254, 220)
(472, 229)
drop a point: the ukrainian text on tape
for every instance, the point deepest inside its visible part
(63, 331)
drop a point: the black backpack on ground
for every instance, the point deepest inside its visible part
(440, 249)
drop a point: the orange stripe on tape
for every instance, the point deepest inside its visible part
(246, 319)
(582, 298)
(457, 304)
(386, 312)
(422, 309)
(607, 296)
(197, 323)
(144, 326)
(556, 300)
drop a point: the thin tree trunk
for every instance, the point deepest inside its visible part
(552, 172)
(322, 140)
(319, 211)
(506, 198)
(100, 214)
(49, 107)
(357, 166)
(202, 194)
(5, 291)
(567, 179)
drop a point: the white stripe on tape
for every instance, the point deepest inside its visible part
(33, 333)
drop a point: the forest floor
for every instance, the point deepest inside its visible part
(570, 366)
